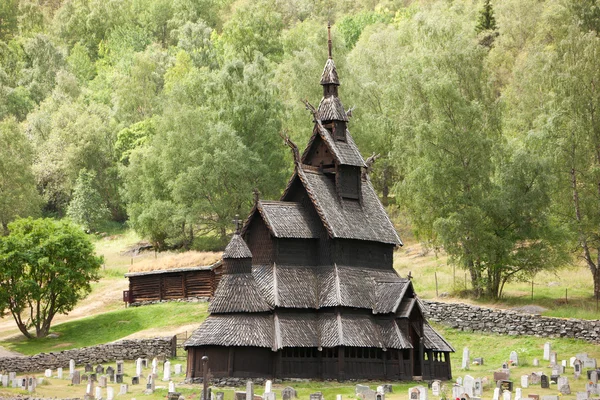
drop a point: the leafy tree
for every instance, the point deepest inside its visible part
(18, 195)
(351, 26)
(46, 267)
(87, 207)
(9, 12)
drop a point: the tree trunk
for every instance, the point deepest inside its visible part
(22, 327)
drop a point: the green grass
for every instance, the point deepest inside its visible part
(110, 326)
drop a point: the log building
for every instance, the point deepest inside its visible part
(308, 288)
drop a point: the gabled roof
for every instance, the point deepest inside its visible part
(433, 340)
(300, 329)
(348, 219)
(329, 75)
(288, 220)
(331, 108)
(345, 153)
(237, 248)
(238, 293)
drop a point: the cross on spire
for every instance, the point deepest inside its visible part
(329, 39)
(238, 223)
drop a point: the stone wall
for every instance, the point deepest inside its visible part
(507, 322)
(121, 350)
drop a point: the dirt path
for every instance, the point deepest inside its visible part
(8, 353)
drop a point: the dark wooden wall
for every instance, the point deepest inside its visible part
(176, 285)
(360, 253)
(259, 241)
(319, 154)
(348, 182)
(297, 251)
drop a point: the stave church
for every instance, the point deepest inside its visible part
(308, 288)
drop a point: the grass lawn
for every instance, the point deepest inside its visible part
(110, 326)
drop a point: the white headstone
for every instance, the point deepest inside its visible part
(496, 394)
(110, 393)
(514, 358)
(594, 377)
(268, 385)
(88, 388)
(154, 366)
(518, 393)
(167, 371)
(338, 397)
(478, 388)
(48, 373)
(177, 368)
(506, 395)
(249, 390)
(138, 367)
(563, 363)
(465, 359)
(435, 388)
(469, 385)
(171, 387)
(589, 363)
(547, 349)
(536, 362)
(98, 393)
(59, 373)
(123, 389)
(459, 380)
(71, 367)
(553, 358)
(524, 381)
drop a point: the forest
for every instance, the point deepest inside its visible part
(166, 115)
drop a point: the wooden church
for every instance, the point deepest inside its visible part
(308, 288)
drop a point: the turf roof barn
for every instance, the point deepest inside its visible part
(308, 287)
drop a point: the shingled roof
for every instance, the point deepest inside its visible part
(344, 152)
(299, 329)
(238, 293)
(331, 108)
(433, 340)
(330, 286)
(348, 219)
(329, 75)
(288, 220)
(237, 248)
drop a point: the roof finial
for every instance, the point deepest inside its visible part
(329, 38)
(238, 224)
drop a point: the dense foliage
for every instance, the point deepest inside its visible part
(167, 114)
(46, 266)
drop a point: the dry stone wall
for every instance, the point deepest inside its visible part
(508, 322)
(121, 350)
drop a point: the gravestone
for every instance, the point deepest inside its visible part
(583, 396)
(368, 395)
(40, 381)
(144, 362)
(524, 381)
(544, 381)
(155, 366)
(94, 377)
(71, 368)
(110, 393)
(98, 393)
(119, 378)
(563, 385)
(478, 387)
(220, 396)
(465, 358)
(563, 363)
(209, 395)
(501, 376)
(387, 388)
(589, 363)
(592, 388)
(571, 361)
(505, 385)
(457, 390)
(89, 388)
(5, 380)
(536, 362)
(120, 364)
(514, 358)
(459, 380)
(316, 396)
(556, 371)
(59, 373)
(534, 396)
(178, 369)
(99, 369)
(469, 385)
(553, 358)
(518, 393)
(268, 386)
(171, 387)
(478, 361)
(102, 382)
(288, 393)
(360, 389)
(506, 395)
(123, 388)
(12, 375)
(76, 378)
(135, 380)
(88, 368)
(239, 395)
(435, 387)
(577, 368)
(110, 371)
(48, 373)
(534, 379)
(270, 396)
(547, 349)
(496, 394)
(138, 367)
(167, 371)
(414, 393)
(550, 397)
(150, 384)
(593, 376)
(249, 390)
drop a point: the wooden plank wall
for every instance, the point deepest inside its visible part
(168, 286)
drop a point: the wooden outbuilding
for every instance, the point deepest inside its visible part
(176, 277)
(308, 288)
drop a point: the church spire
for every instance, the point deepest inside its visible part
(329, 39)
